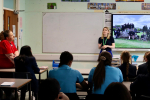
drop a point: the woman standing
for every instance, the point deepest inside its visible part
(106, 42)
(8, 50)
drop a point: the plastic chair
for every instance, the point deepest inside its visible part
(72, 96)
(55, 65)
(95, 97)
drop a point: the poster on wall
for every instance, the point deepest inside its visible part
(20, 33)
(101, 6)
(20, 22)
(51, 6)
(129, 0)
(75, 0)
(145, 6)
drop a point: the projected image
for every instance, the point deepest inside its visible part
(129, 0)
(131, 31)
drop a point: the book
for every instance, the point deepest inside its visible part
(43, 67)
(7, 83)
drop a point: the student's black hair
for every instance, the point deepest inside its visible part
(24, 52)
(4, 34)
(49, 89)
(117, 91)
(104, 59)
(65, 57)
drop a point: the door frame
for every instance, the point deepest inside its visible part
(17, 6)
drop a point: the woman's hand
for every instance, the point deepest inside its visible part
(104, 47)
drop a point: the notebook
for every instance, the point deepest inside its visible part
(7, 83)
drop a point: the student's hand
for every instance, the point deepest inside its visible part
(62, 96)
(105, 46)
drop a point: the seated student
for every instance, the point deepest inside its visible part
(142, 69)
(117, 91)
(50, 90)
(66, 76)
(26, 62)
(141, 86)
(128, 70)
(102, 75)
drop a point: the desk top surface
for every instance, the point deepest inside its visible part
(84, 71)
(13, 70)
(18, 82)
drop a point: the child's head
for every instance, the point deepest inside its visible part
(66, 58)
(117, 91)
(125, 56)
(26, 51)
(146, 53)
(148, 61)
(106, 57)
(49, 89)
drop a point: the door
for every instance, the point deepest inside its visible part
(11, 23)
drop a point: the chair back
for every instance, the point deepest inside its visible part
(22, 75)
(72, 96)
(95, 97)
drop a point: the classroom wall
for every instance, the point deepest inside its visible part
(34, 9)
(9, 4)
(22, 15)
(33, 22)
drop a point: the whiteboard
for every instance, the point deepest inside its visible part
(73, 32)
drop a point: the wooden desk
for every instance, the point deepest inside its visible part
(13, 70)
(42, 71)
(84, 71)
(17, 85)
(127, 84)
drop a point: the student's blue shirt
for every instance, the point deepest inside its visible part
(112, 74)
(67, 78)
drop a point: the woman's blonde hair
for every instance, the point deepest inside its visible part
(108, 36)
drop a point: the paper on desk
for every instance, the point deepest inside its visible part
(43, 67)
(7, 83)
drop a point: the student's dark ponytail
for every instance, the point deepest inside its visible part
(125, 56)
(104, 59)
(4, 34)
(65, 57)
